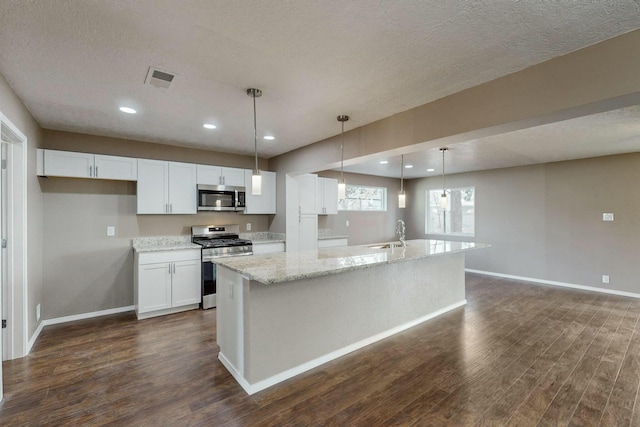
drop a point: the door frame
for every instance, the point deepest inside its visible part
(17, 316)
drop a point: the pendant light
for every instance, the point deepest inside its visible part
(443, 196)
(402, 197)
(256, 178)
(342, 186)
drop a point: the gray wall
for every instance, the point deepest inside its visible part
(545, 221)
(13, 108)
(365, 227)
(86, 270)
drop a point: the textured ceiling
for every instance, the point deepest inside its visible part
(74, 62)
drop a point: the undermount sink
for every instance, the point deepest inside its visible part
(389, 245)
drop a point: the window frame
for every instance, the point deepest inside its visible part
(428, 212)
(384, 199)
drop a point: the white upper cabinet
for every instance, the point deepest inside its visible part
(182, 188)
(115, 167)
(266, 202)
(153, 187)
(166, 187)
(307, 188)
(217, 175)
(84, 165)
(67, 163)
(327, 196)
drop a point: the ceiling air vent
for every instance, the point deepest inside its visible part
(159, 78)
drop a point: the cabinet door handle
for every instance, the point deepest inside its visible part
(96, 171)
(169, 268)
(170, 207)
(90, 171)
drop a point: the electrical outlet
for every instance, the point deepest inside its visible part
(248, 226)
(111, 231)
(38, 313)
(347, 223)
(605, 278)
(607, 217)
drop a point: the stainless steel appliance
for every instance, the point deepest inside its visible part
(221, 198)
(217, 241)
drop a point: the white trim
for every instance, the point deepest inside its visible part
(66, 319)
(91, 315)
(172, 310)
(554, 283)
(289, 373)
(34, 337)
(18, 304)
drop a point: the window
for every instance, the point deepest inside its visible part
(456, 217)
(361, 198)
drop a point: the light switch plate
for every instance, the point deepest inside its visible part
(111, 231)
(347, 223)
(248, 226)
(607, 216)
(605, 278)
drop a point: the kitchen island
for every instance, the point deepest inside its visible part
(282, 314)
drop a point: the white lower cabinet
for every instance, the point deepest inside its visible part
(166, 282)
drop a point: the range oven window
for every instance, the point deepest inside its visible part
(208, 278)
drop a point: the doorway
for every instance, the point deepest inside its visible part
(13, 241)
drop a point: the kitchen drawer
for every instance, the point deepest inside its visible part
(169, 256)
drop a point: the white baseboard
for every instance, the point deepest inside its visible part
(34, 337)
(554, 283)
(66, 319)
(289, 373)
(91, 315)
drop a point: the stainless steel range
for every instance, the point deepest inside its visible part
(217, 241)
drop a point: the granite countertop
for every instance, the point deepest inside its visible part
(262, 237)
(288, 266)
(163, 243)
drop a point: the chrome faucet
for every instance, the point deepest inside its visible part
(400, 232)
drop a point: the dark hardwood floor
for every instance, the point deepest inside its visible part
(517, 354)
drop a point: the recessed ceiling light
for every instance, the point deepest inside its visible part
(128, 110)
(430, 170)
(208, 126)
(269, 137)
(408, 166)
(384, 162)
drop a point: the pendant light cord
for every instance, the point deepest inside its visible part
(255, 133)
(443, 184)
(402, 173)
(342, 151)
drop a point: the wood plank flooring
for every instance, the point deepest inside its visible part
(517, 354)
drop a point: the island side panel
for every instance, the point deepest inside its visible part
(230, 317)
(291, 323)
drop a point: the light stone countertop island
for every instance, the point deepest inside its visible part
(282, 314)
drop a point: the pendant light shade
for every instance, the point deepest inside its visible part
(402, 197)
(256, 178)
(342, 185)
(443, 197)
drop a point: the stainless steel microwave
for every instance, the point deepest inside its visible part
(221, 198)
